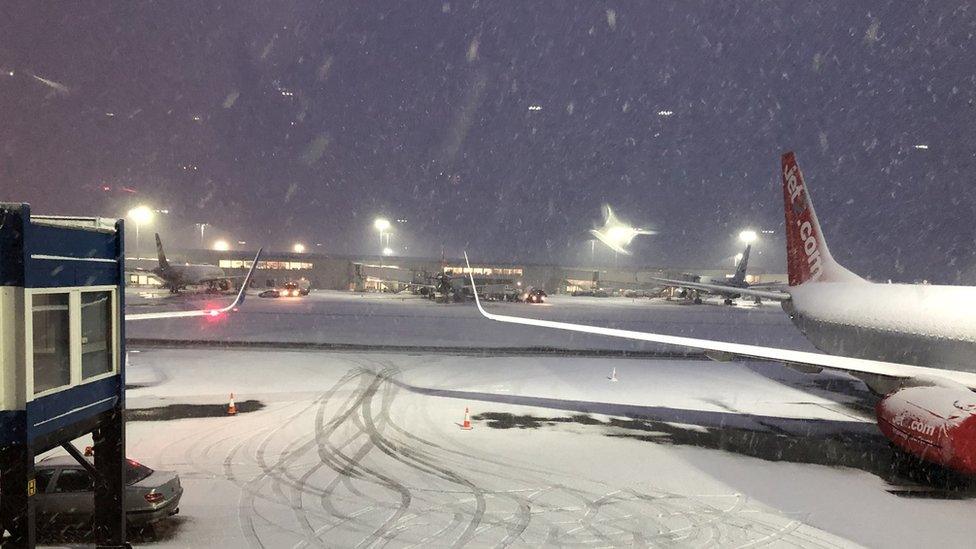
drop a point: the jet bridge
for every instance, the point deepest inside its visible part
(62, 366)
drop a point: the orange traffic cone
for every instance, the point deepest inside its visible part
(466, 425)
(232, 408)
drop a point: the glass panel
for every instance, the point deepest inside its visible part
(96, 333)
(43, 478)
(74, 480)
(135, 472)
(52, 353)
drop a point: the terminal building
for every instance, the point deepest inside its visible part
(381, 273)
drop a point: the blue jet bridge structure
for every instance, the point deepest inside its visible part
(62, 361)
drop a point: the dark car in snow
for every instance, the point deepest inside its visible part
(535, 295)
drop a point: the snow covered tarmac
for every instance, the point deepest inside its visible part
(352, 450)
(363, 448)
(392, 319)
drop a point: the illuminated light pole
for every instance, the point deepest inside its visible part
(298, 248)
(748, 237)
(140, 215)
(382, 225)
(203, 227)
(221, 245)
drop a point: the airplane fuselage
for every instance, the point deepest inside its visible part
(178, 276)
(923, 325)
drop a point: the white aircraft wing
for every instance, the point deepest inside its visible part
(241, 294)
(724, 290)
(726, 350)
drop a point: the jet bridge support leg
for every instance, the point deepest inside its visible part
(18, 486)
(109, 449)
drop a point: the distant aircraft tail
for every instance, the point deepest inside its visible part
(807, 256)
(740, 269)
(163, 264)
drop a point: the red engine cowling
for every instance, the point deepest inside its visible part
(935, 423)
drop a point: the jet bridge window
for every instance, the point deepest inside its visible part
(52, 341)
(96, 333)
(73, 336)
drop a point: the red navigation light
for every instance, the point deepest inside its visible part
(214, 312)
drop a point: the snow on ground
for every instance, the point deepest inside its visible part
(365, 449)
(394, 319)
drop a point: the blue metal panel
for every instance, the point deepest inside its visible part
(21, 240)
(69, 242)
(120, 310)
(12, 243)
(51, 273)
(64, 408)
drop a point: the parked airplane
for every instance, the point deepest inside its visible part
(241, 294)
(730, 288)
(913, 344)
(177, 277)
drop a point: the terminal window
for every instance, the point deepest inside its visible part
(274, 265)
(52, 342)
(96, 333)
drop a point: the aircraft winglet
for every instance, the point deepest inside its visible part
(728, 350)
(241, 294)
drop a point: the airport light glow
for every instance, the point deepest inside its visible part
(221, 245)
(748, 236)
(617, 234)
(382, 225)
(140, 215)
(298, 248)
(387, 251)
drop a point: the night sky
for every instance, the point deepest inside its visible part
(303, 120)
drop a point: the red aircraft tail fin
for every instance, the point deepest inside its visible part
(807, 256)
